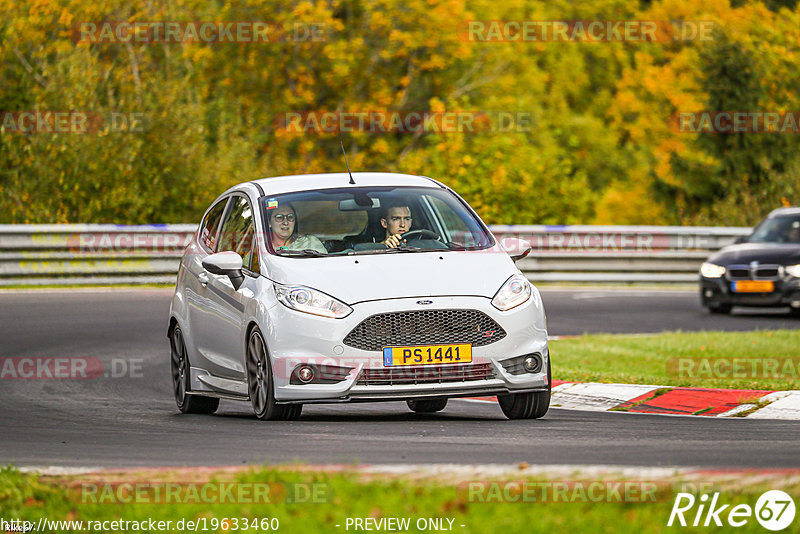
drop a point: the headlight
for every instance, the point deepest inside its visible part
(305, 299)
(710, 270)
(514, 292)
(793, 270)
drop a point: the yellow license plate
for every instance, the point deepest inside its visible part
(427, 355)
(753, 286)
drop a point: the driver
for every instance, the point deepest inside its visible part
(397, 221)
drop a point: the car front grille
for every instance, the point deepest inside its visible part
(766, 272)
(428, 327)
(758, 272)
(434, 374)
(739, 274)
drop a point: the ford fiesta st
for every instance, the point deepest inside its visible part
(336, 288)
(761, 270)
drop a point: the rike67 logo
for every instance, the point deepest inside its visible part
(774, 510)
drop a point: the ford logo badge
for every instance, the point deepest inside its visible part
(424, 302)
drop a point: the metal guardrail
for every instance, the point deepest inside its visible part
(618, 254)
(89, 254)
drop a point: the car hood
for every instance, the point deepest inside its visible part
(745, 253)
(354, 279)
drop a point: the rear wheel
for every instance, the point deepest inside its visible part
(260, 386)
(526, 405)
(427, 405)
(187, 403)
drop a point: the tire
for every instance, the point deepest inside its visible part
(427, 405)
(260, 386)
(720, 308)
(179, 364)
(527, 405)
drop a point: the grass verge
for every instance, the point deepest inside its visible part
(457, 504)
(766, 359)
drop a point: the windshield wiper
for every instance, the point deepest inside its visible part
(372, 251)
(407, 248)
(303, 252)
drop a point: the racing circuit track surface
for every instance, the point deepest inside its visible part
(132, 420)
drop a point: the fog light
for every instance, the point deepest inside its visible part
(709, 293)
(532, 364)
(305, 374)
(795, 304)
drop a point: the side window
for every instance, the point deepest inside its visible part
(238, 230)
(208, 234)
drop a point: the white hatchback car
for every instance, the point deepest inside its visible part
(331, 288)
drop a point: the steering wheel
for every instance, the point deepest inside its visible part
(419, 234)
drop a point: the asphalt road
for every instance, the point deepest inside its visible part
(131, 420)
(577, 311)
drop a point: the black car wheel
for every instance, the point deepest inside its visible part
(260, 386)
(527, 405)
(186, 401)
(427, 405)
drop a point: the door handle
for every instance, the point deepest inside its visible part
(203, 277)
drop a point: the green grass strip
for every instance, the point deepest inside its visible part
(348, 495)
(656, 359)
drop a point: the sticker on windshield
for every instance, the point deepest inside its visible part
(272, 203)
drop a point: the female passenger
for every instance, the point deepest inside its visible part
(283, 230)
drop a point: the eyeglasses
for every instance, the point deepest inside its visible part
(397, 219)
(281, 217)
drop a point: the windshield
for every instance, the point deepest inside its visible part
(371, 220)
(777, 230)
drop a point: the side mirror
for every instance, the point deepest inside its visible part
(228, 264)
(740, 239)
(516, 248)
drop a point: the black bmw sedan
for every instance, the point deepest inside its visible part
(760, 270)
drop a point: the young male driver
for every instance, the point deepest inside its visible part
(397, 221)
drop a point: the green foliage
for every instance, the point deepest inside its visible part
(600, 150)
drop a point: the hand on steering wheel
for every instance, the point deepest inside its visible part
(395, 240)
(419, 234)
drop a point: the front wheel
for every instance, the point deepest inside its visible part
(527, 405)
(427, 406)
(187, 403)
(260, 386)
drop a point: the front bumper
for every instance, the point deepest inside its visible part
(718, 292)
(306, 339)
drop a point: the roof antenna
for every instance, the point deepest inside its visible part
(352, 182)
